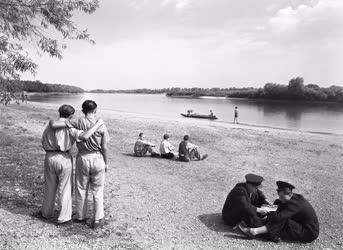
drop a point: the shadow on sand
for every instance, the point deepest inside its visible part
(215, 223)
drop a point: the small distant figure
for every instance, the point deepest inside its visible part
(189, 151)
(7, 99)
(166, 149)
(189, 112)
(235, 119)
(211, 114)
(24, 97)
(142, 147)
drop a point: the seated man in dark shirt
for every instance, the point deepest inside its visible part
(244, 203)
(295, 218)
(189, 152)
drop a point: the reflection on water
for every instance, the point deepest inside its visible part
(320, 117)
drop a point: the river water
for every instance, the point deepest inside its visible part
(317, 117)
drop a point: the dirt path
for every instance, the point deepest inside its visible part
(160, 204)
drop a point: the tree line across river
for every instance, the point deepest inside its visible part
(295, 90)
(15, 86)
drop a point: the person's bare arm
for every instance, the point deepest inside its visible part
(104, 148)
(84, 136)
(56, 124)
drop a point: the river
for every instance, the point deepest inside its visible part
(316, 117)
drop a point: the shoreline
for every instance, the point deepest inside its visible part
(205, 123)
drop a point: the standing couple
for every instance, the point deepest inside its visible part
(91, 137)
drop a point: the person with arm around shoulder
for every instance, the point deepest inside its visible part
(58, 164)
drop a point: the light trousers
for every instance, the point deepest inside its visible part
(57, 176)
(90, 178)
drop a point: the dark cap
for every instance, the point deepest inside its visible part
(282, 185)
(254, 179)
(165, 136)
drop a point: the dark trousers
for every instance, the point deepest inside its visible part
(291, 230)
(170, 155)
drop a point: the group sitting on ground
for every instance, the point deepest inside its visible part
(291, 217)
(187, 151)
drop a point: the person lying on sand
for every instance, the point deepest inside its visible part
(142, 147)
(189, 152)
(58, 164)
(295, 218)
(166, 149)
(244, 202)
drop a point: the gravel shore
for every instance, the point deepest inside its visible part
(154, 203)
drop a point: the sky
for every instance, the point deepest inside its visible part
(202, 43)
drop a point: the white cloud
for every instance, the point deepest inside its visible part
(306, 24)
(179, 4)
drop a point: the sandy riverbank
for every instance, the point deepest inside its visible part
(160, 204)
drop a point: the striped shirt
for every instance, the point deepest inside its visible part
(95, 141)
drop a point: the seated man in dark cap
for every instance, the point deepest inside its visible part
(295, 218)
(244, 203)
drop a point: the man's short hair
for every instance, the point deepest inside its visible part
(186, 138)
(66, 110)
(141, 134)
(165, 136)
(88, 106)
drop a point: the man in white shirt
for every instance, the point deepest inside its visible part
(166, 149)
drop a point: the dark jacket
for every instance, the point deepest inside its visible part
(299, 210)
(183, 151)
(242, 201)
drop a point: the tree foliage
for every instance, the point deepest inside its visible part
(36, 86)
(43, 24)
(295, 90)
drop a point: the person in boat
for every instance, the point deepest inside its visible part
(235, 113)
(167, 150)
(211, 114)
(189, 152)
(244, 202)
(189, 112)
(58, 164)
(142, 147)
(294, 220)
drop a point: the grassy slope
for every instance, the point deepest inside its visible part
(155, 203)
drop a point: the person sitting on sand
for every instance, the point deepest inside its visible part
(166, 149)
(58, 164)
(142, 147)
(244, 202)
(189, 151)
(294, 219)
